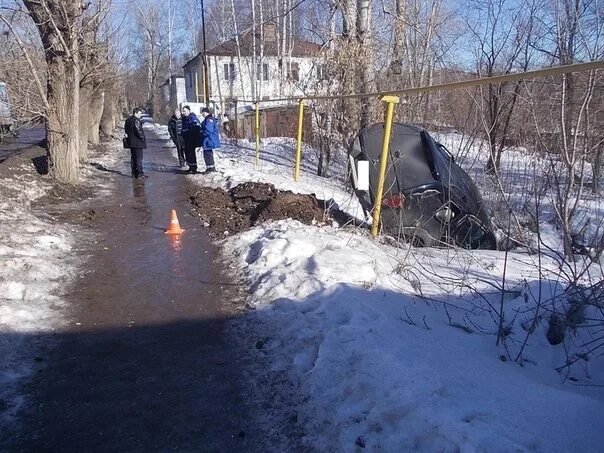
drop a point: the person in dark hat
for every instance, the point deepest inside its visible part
(191, 134)
(210, 139)
(175, 130)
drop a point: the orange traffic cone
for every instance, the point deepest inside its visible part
(174, 227)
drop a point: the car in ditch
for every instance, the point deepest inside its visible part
(429, 200)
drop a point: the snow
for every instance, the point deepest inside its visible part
(395, 348)
(388, 346)
(522, 173)
(33, 267)
(37, 262)
(373, 353)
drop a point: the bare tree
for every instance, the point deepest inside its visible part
(22, 66)
(367, 69)
(572, 32)
(94, 67)
(500, 31)
(59, 24)
(151, 22)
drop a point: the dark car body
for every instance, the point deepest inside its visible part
(428, 198)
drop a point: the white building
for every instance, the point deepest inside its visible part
(246, 69)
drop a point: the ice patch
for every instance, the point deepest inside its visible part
(12, 290)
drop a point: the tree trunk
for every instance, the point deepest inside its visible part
(95, 114)
(399, 37)
(107, 123)
(364, 41)
(596, 169)
(62, 118)
(349, 19)
(84, 112)
(58, 24)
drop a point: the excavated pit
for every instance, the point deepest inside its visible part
(229, 212)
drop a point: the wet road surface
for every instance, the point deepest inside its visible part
(143, 364)
(27, 137)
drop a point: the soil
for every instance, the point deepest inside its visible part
(252, 203)
(12, 160)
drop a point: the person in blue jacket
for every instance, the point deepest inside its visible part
(210, 139)
(191, 134)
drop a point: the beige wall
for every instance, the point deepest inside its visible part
(245, 85)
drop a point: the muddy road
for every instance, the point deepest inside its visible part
(145, 362)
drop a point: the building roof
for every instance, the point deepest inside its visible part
(301, 47)
(175, 76)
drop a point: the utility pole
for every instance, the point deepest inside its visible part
(206, 88)
(170, 28)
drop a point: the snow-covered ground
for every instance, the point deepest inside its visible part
(522, 173)
(380, 351)
(37, 262)
(394, 348)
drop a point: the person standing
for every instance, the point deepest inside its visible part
(175, 130)
(210, 139)
(136, 142)
(191, 134)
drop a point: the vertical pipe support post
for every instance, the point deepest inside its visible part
(301, 105)
(257, 135)
(390, 101)
(236, 128)
(204, 85)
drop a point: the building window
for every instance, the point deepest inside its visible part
(293, 72)
(229, 71)
(191, 76)
(321, 73)
(262, 74)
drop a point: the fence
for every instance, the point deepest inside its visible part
(390, 99)
(279, 121)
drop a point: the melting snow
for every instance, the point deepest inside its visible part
(394, 348)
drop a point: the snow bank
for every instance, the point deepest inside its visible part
(384, 357)
(394, 349)
(34, 266)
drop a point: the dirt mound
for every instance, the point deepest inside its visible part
(248, 204)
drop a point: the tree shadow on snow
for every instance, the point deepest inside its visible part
(109, 170)
(41, 164)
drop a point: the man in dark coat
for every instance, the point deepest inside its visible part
(175, 130)
(191, 134)
(136, 142)
(210, 139)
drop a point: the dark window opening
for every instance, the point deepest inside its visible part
(321, 72)
(262, 73)
(229, 71)
(293, 72)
